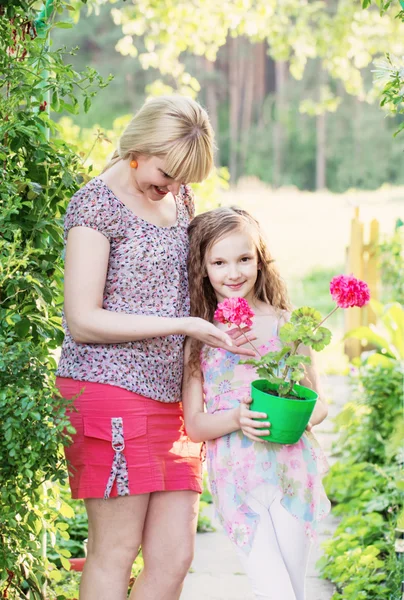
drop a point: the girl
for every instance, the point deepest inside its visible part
(126, 316)
(268, 496)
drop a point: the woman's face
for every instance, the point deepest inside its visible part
(151, 178)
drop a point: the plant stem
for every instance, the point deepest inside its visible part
(325, 318)
(249, 342)
(286, 370)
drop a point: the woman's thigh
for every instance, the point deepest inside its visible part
(115, 526)
(170, 527)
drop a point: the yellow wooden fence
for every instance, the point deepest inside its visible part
(362, 261)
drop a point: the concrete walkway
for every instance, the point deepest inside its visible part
(216, 573)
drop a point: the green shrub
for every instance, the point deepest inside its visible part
(366, 486)
(39, 174)
(392, 265)
(367, 423)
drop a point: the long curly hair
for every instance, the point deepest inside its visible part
(204, 231)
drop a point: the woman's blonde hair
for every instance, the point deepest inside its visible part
(204, 231)
(176, 128)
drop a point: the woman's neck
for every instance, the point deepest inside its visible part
(120, 179)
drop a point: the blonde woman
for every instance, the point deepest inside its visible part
(126, 317)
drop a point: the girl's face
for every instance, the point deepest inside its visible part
(152, 180)
(232, 266)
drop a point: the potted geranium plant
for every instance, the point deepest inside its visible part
(287, 404)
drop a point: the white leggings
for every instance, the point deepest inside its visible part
(276, 564)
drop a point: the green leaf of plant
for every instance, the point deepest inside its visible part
(371, 337)
(63, 25)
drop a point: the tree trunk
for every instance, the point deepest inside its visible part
(321, 156)
(258, 67)
(277, 130)
(211, 102)
(246, 116)
(234, 108)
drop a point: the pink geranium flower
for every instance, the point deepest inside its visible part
(235, 311)
(347, 291)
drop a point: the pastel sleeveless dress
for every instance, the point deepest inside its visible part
(236, 464)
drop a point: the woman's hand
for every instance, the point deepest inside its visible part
(241, 336)
(213, 336)
(248, 425)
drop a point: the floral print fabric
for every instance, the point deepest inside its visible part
(119, 470)
(147, 275)
(236, 465)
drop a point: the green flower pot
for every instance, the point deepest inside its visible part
(288, 417)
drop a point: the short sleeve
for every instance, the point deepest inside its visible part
(96, 207)
(188, 198)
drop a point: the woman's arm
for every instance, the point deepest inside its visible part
(86, 265)
(201, 426)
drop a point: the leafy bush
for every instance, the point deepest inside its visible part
(366, 487)
(367, 422)
(360, 559)
(38, 174)
(392, 264)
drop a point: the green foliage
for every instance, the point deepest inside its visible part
(204, 522)
(294, 33)
(391, 252)
(72, 528)
(353, 131)
(368, 421)
(367, 487)
(38, 175)
(304, 327)
(387, 336)
(390, 72)
(360, 559)
(313, 288)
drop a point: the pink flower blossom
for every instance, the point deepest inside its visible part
(348, 291)
(235, 311)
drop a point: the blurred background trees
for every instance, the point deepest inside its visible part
(289, 86)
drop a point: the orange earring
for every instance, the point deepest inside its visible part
(134, 164)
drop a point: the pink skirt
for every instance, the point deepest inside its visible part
(127, 444)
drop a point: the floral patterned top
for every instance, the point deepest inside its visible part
(147, 275)
(236, 464)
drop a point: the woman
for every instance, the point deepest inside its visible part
(126, 316)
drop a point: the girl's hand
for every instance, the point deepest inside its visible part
(251, 428)
(212, 336)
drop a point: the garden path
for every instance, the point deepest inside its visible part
(216, 573)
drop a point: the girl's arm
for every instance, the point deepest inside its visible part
(86, 265)
(201, 426)
(312, 380)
